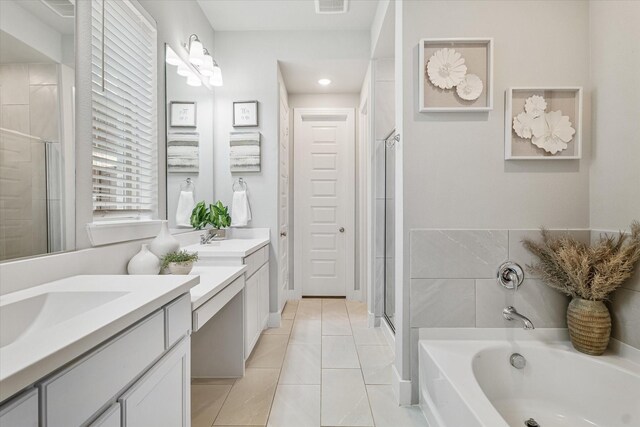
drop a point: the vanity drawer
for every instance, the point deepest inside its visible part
(254, 262)
(210, 308)
(21, 411)
(74, 395)
(178, 319)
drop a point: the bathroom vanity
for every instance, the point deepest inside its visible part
(248, 247)
(97, 350)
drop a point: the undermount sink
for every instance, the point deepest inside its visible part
(23, 317)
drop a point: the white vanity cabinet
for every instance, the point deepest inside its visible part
(256, 297)
(140, 377)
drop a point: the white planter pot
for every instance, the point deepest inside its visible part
(180, 268)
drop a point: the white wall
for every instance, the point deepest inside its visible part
(249, 65)
(454, 172)
(615, 79)
(178, 90)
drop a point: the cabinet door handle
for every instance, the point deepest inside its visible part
(341, 229)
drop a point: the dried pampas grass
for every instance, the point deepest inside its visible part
(590, 272)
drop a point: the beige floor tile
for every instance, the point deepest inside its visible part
(339, 352)
(249, 400)
(368, 336)
(335, 324)
(356, 309)
(206, 401)
(309, 309)
(213, 381)
(296, 406)
(302, 364)
(284, 329)
(269, 352)
(344, 399)
(289, 311)
(387, 413)
(377, 363)
(308, 331)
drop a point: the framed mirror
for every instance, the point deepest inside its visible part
(37, 169)
(189, 124)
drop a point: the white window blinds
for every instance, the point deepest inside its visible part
(124, 49)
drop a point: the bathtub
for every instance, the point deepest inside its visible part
(466, 379)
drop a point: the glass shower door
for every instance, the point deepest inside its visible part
(389, 229)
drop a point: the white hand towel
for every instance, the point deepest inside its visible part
(240, 209)
(186, 202)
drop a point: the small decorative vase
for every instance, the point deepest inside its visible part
(164, 242)
(180, 267)
(144, 262)
(589, 325)
(218, 233)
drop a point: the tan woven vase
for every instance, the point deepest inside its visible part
(589, 326)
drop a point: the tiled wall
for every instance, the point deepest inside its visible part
(453, 280)
(29, 102)
(625, 307)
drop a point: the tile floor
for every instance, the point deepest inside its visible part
(322, 367)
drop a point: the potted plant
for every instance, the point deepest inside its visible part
(588, 274)
(180, 262)
(216, 215)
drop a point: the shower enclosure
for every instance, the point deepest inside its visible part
(389, 228)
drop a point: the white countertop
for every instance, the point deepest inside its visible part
(212, 281)
(40, 351)
(229, 248)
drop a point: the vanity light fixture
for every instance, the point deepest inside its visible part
(172, 58)
(193, 80)
(183, 70)
(216, 78)
(196, 51)
(207, 67)
(324, 82)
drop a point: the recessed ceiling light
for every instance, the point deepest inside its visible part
(324, 82)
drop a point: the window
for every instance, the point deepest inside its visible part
(124, 51)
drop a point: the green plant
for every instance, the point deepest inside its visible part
(200, 216)
(179, 256)
(590, 272)
(219, 215)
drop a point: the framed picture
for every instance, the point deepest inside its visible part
(183, 154)
(245, 113)
(244, 152)
(182, 114)
(543, 123)
(456, 75)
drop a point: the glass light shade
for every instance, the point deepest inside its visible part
(207, 67)
(172, 58)
(196, 53)
(193, 80)
(183, 70)
(216, 78)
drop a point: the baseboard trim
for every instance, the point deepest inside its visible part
(401, 388)
(388, 333)
(372, 320)
(274, 320)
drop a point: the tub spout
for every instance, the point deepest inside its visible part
(510, 313)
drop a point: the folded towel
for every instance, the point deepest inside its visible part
(186, 203)
(240, 209)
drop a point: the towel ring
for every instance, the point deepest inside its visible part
(187, 185)
(241, 182)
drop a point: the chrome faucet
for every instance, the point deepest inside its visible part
(206, 238)
(510, 313)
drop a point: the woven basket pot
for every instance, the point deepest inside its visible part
(589, 325)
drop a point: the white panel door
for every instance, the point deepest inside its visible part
(283, 201)
(324, 182)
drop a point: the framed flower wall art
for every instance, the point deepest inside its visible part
(543, 123)
(456, 75)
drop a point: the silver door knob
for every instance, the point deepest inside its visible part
(341, 229)
(283, 234)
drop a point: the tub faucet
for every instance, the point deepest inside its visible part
(510, 313)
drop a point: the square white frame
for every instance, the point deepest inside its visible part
(488, 42)
(174, 118)
(508, 123)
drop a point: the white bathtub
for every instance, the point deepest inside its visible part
(466, 379)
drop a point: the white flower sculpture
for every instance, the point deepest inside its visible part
(535, 105)
(470, 87)
(446, 68)
(550, 131)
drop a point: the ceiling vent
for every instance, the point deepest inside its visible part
(63, 8)
(331, 6)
